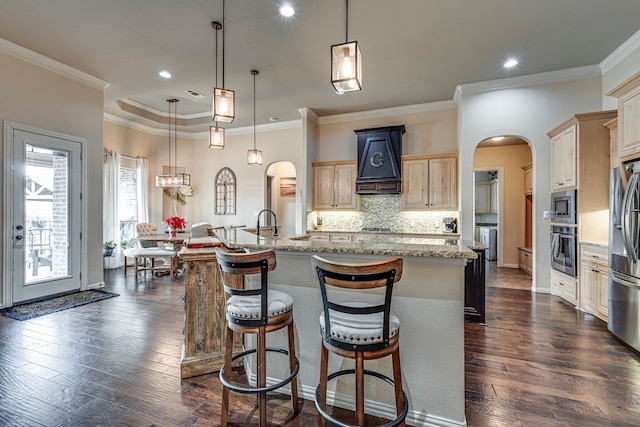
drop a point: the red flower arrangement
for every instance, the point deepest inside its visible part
(175, 222)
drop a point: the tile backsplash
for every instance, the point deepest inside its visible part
(380, 211)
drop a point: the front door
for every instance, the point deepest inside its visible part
(45, 214)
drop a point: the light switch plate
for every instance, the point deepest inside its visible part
(545, 214)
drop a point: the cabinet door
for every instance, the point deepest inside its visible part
(443, 179)
(569, 157)
(588, 290)
(528, 181)
(323, 187)
(557, 174)
(414, 182)
(483, 197)
(344, 187)
(493, 197)
(630, 109)
(603, 294)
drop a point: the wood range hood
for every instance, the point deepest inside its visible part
(379, 167)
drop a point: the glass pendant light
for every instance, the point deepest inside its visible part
(346, 63)
(216, 133)
(174, 179)
(224, 100)
(254, 157)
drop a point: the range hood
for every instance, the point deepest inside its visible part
(379, 167)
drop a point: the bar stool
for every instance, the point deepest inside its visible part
(359, 330)
(255, 311)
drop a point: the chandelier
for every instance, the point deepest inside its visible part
(174, 179)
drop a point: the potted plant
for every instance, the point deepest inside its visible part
(108, 247)
(174, 224)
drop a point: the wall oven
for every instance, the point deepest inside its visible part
(564, 249)
(563, 207)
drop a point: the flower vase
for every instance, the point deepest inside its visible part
(172, 232)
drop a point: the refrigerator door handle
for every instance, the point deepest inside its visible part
(618, 278)
(627, 204)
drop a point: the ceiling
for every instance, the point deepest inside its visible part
(414, 51)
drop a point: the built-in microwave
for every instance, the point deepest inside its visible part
(563, 207)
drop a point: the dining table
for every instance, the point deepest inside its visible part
(176, 241)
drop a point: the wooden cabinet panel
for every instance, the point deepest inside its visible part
(429, 182)
(334, 186)
(483, 198)
(563, 159)
(564, 286)
(630, 109)
(594, 281)
(526, 261)
(528, 178)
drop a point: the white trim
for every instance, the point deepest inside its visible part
(96, 285)
(533, 79)
(7, 257)
(387, 112)
(622, 52)
(291, 124)
(164, 114)
(51, 64)
(308, 113)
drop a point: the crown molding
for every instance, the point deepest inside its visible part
(49, 64)
(159, 115)
(533, 79)
(622, 52)
(291, 124)
(308, 113)
(387, 112)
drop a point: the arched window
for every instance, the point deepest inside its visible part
(225, 192)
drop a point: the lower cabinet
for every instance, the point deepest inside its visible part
(526, 260)
(594, 281)
(474, 284)
(564, 286)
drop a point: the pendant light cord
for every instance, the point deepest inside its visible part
(347, 23)
(254, 72)
(224, 38)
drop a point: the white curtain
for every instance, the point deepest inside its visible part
(142, 175)
(110, 220)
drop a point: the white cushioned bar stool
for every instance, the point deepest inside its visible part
(255, 311)
(359, 330)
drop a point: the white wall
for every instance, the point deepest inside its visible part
(35, 96)
(526, 112)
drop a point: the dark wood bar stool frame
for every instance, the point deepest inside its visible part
(354, 277)
(244, 263)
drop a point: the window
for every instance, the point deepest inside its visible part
(128, 199)
(225, 192)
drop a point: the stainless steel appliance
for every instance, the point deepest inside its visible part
(563, 207)
(624, 250)
(564, 249)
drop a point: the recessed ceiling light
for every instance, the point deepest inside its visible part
(497, 138)
(510, 63)
(165, 74)
(287, 10)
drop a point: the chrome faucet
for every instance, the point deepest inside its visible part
(275, 220)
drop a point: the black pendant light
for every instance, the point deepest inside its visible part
(174, 179)
(346, 63)
(216, 133)
(224, 100)
(254, 157)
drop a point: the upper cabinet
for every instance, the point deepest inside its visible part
(580, 160)
(430, 182)
(563, 159)
(486, 197)
(334, 185)
(628, 94)
(528, 178)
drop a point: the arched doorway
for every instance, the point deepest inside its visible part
(280, 196)
(503, 208)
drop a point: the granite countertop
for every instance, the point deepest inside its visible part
(378, 245)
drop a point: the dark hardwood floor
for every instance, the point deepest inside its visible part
(538, 362)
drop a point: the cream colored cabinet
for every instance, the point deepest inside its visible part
(580, 160)
(429, 182)
(486, 198)
(563, 159)
(628, 94)
(483, 197)
(564, 286)
(331, 237)
(594, 281)
(334, 185)
(528, 178)
(526, 260)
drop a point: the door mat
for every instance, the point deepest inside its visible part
(34, 309)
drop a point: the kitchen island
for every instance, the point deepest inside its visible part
(429, 299)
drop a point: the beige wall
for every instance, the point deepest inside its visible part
(43, 99)
(509, 160)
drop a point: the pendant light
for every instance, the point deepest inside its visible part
(174, 179)
(254, 157)
(224, 100)
(346, 63)
(216, 133)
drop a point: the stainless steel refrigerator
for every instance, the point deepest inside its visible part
(624, 253)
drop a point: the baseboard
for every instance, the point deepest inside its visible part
(96, 285)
